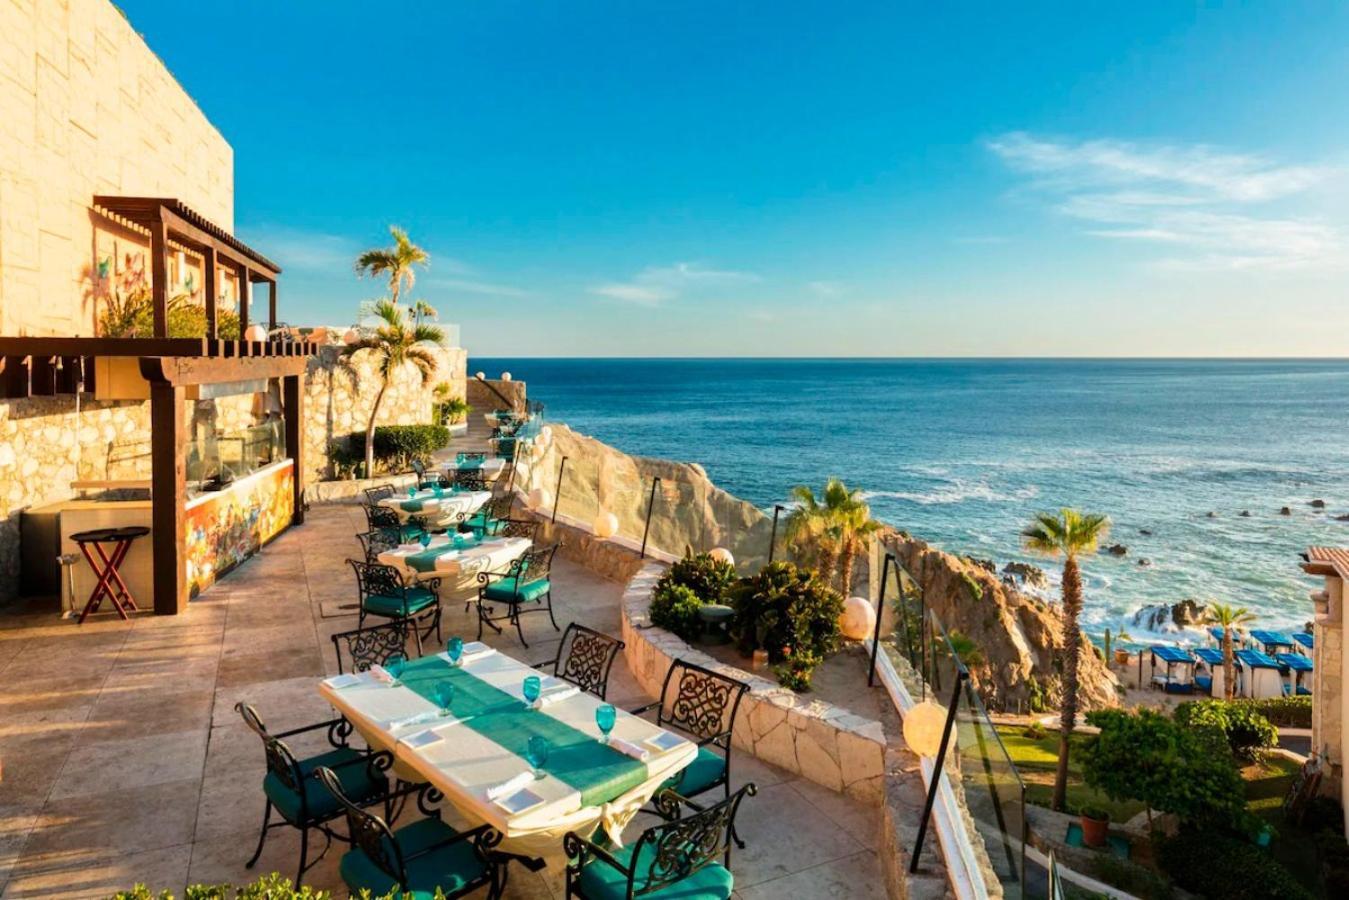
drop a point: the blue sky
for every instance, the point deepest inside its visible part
(816, 179)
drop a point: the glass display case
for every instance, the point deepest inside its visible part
(234, 430)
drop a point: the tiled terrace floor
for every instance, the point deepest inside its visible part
(123, 759)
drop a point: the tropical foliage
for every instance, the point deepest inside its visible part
(397, 263)
(131, 314)
(675, 607)
(1245, 731)
(829, 531)
(791, 613)
(1229, 618)
(1211, 864)
(707, 576)
(396, 446)
(1070, 534)
(268, 887)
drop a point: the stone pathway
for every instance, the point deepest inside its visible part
(123, 759)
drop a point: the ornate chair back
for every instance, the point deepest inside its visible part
(585, 657)
(525, 528)
(373, 579)
(702, 702)
(470, 457)
(533, 565)
(373, 646)
(499, 507)
(377, 493)
(376, 542)
(280, 761)
(469, 480)
(368, 832)
(682, 847)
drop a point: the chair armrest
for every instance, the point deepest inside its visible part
(576, 847)
(475, 834)
(377, 762)
(307, 728)
(717, 739)
(484, 577)
(548, 662)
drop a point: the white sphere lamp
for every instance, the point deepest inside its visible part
(545, 435)
(923, 728)
(721, 554)
(351, 336)
(858, 619)
(505, 376)
(255, 333)
(481, 376)
(606, 525)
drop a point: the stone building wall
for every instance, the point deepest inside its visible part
(1328, 684)
(87, 108)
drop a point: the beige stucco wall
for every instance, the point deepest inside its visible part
(87, 108)
(1328, 719)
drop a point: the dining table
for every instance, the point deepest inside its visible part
(437, 505)
(490, 469)
(455, 556)
(480, 753)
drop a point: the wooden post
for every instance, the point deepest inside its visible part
(292, 405)
(210, 291)
(159, 275)
(243, 301)
(168, 494)
(271, 306)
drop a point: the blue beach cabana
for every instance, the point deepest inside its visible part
(1179, 668)
(1296, 666)
(1212, 661)
(1305, 642)
(1260, 675)
(1239, 637)
(1273, 642)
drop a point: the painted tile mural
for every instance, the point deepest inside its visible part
(225, 529)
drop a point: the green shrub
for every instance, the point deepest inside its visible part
(451, 411)
(1147, 756)
(790, 612)
(1213, 864)
(268, 887)
(674, 607)
(796, 671)
(396, 446)
(1283, 712)
(1247, 732)
(708, 577)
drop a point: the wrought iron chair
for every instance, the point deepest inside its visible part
(470, 457)
(377, 493)
(290, 787)
(384, 593)
(373, 646)
(424, 859)
(518, 528)
(526, 583)
(385, 519)
(423, 479)
(373, 543)
(468, 480)
(677, 859)
(584, 658)
(704, 704)
(485, 520)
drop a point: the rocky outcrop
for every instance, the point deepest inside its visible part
(1019, 638)
(1020, 573)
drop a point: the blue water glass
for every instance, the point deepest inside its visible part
(531, 689)
(439, 491)
(536, 751)
(605, 717)
(445, 696)
(412, 491)
(455, 649)
(426, 539)
(395, 665)
(458, 541)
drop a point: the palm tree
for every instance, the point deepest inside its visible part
(421, 311)
(396, 262)
(1229, 618)
(832, 528)
(395, 345)
(1069, 534)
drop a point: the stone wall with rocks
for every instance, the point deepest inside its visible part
(1328, 684)
(493, 393)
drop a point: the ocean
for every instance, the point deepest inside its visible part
(962, 452)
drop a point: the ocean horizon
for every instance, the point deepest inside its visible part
(1192, 459)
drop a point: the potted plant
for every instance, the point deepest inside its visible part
(1095, 826)
(1122, 652)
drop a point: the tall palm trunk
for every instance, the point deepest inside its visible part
(370, 431)
(1072, 648)
(1229, 676)
(828, 555)
(845, 565)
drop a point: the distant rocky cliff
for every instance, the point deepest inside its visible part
(1018, 638)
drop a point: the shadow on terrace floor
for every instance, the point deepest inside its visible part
(124, 761)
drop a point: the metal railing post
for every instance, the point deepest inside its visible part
(773, 538)
(561, 467)
(650, 505)
(937, 769)
(880, 608)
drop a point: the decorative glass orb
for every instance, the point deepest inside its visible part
(606, 525)
(255, 333)
(350, 336)
(858, 619)
(505, 376)
(721, 554)
(540, 498)
(923, 727)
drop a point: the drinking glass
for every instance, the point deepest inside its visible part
(395, 665)
(439, 491)
(536, 752)
(455, 649)
(531, 689)
(412, 491)
(425, 539)
(605, 717)
(445, 696)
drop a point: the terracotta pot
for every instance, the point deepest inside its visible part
(1095, 831)
(1122, 657)
(760, 660)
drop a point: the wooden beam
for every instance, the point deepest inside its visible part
(92, 346)
(292, 405)
(168, 496)
(271, 306)
(189, 370)
(210, 291)
(159, 275)
(243, 300)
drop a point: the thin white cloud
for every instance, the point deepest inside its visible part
(656, 284)
(826, 290)
(301, 251)
(470, 286)
(1209, 206)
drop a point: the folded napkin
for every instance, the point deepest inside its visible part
(476, 650)
(421, 738)
(510, 786)
(420, 718)
(381, 674)
(628, 748)
(557, 695)
(337, 682)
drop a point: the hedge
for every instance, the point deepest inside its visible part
(1215, 865)
(396, 446)
(1286, 712)
(268, 887)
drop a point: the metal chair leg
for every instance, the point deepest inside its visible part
(515, 614)
(550, 611)
(304, 854)
(262, 838)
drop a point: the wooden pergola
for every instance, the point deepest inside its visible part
(167, 219)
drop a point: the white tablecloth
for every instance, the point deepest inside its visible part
(490, 468)
(464, 764)
(492, 555)
(446, 508)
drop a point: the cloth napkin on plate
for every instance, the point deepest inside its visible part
(556, 695)
(628, 748)
(420, 718)
(337, 682)
(475, 650)
(510, 786)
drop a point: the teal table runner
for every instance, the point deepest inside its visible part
(413, 504)
(578, 759)
(425, 560)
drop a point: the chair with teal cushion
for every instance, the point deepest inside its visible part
(704, 704)
(418, 860)
(292, 790)
(381, 518)
(489, 518)
(523, 588)
(385, 594)
(673, 861)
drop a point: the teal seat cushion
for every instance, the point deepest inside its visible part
(356, 780)
(418, 599)
(505, 590)
(448, 868)
(601, 881)
(699, 774)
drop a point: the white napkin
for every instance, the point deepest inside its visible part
(420, 718)
(510, 786)
(337, 682)
(421, 738)
(629, 749)
(412, 547)
(557, 695)
(476, 650)
(381, 674)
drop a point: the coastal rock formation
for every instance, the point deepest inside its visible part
(1318, 504)
(1117, 550)
(1019, 638)
(1285, 511)
(1166, 617)
(1025, 573)
(1245, 513)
